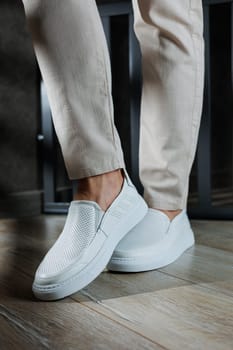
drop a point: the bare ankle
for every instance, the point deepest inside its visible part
(170, 213)
(102, 188)
(95, 183)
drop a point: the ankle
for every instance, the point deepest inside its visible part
(102, 188)
(170, 213)
(95, 184)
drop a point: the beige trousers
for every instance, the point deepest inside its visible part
(72, 54)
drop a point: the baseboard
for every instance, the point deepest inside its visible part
(21, 204)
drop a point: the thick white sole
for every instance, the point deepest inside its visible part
(96, 265)
(184, 241)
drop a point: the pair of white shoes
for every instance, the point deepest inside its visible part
(127, 237)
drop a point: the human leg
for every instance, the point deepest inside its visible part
(72, 54)
(73, 58)
(171, 39)
(71, 50)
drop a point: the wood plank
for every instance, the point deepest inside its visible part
(202, 264)
(216, 225)
(216, 234)
(186, 304)
(114, 285)
(189, 317)
(69, 325)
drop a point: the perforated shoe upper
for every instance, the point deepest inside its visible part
(79, 230)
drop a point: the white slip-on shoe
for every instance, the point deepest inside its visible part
(153, 243)
(87, 242)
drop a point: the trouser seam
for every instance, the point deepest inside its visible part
(110, 110)
(195, 101)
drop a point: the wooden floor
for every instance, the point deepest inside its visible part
(186, 305)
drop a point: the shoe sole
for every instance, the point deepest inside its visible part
(96, 265)
(172, 254)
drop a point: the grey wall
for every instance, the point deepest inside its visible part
(20, 183)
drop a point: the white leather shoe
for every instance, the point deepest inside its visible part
(153, 243)
(87, 242)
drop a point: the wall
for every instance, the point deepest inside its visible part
(20, 183)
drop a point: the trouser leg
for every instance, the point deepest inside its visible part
(172, 45)
(72, 54)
